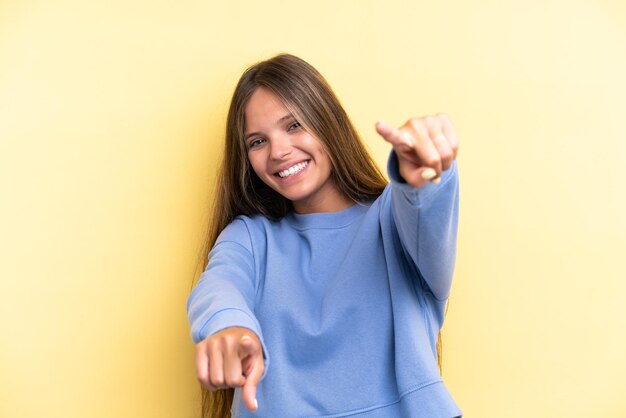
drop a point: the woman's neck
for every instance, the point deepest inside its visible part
(329, 202)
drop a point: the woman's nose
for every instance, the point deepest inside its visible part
(280, 148)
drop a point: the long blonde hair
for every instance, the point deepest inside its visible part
(239, 191)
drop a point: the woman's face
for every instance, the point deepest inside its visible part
(287, 158)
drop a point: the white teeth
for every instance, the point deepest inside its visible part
(293, 169)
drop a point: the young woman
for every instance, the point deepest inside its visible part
(326, 287)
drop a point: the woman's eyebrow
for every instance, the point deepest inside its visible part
(278, 122)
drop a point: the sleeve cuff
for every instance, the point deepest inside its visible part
(416, 195)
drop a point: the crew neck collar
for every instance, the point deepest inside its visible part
(336, 219)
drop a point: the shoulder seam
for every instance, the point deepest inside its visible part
(233, 242)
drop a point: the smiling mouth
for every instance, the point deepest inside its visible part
(294, 169)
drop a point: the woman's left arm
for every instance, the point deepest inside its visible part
(424, 195)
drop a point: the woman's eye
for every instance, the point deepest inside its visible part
(293, 126)
(255, 142)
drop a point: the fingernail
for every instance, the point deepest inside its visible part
(429, 174)
(382, 125)
(256, 404)
(436, 181)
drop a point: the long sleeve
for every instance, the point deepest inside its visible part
(427, 221)
(225, 294)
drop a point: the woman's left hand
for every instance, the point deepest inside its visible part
(425, 147)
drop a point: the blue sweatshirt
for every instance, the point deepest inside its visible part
(347, 305)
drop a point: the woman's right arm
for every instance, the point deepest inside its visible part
(228, 338)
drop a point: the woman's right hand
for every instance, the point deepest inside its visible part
(230, 358)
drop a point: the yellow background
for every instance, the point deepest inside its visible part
(111, 122)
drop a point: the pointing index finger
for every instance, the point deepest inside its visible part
(391, 134)
(252, 364)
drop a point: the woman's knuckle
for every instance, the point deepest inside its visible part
(202, 372)
(433, 160)
(416, 122)
(204, 381)
(446, 154)
(217, 381)
(234, 380)
(434, 124)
